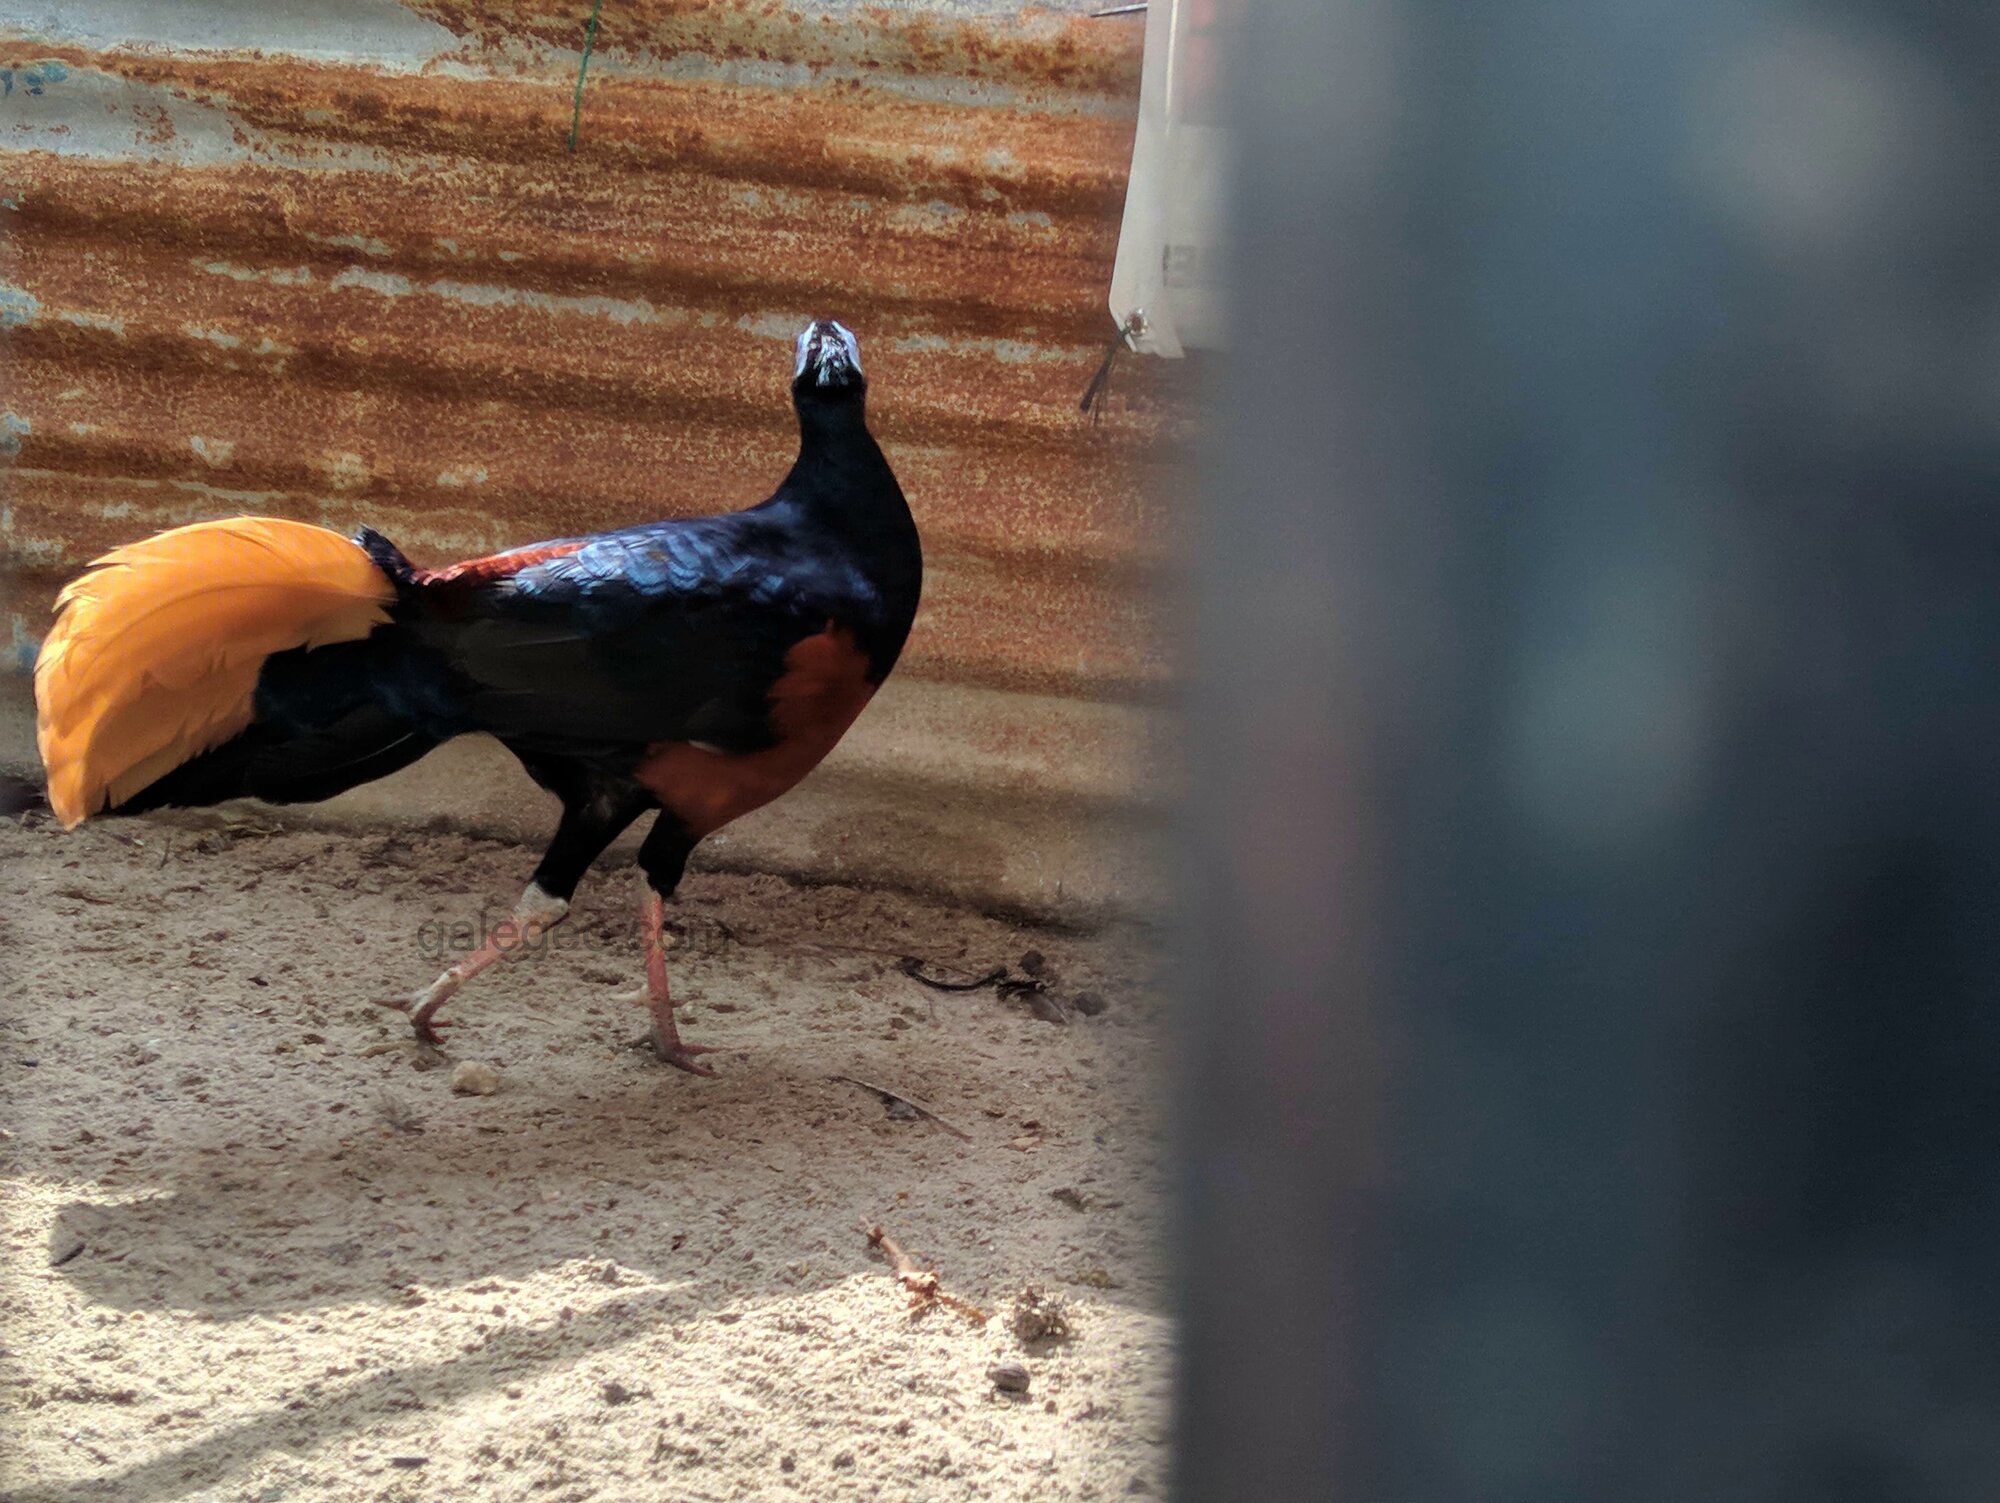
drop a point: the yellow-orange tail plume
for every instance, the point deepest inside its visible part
(155, 652)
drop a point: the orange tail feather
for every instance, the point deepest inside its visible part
(156, 649)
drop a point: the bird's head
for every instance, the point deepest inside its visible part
(829, 361)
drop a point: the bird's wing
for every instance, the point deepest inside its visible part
(675, 632)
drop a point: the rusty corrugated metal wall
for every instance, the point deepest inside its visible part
(333, 261)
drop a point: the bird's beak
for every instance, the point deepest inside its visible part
(828, 354)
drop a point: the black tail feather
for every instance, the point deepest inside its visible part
(389, 559)
(269, 764)
(321, 728)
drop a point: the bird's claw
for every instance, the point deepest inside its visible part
(413, 1004)
(683, 1056)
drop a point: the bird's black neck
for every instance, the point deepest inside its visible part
(840, 470)
(831, 426)
(843, 483)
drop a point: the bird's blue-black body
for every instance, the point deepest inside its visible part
(696, 666)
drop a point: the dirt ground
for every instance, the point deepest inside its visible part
(253, 1251)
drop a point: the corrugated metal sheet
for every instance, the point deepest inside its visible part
(334, 261)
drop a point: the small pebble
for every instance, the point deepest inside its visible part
(1008, 1377)
(1045, 1007)
(471, 1078)
(1090, 1004)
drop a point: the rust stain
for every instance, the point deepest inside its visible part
(391, 296)
(1031, 49)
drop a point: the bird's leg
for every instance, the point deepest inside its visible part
(536, 914)
(663, 857)
(667, 1042)
(592, 818)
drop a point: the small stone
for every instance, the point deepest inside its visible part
(788, 1464)
(617, 1393)
(471, 1078)
(1047, 1008)
(1034, 963)
(844, 1462)
(1009, 1377)
(1040, 1319)
(1090, 1004)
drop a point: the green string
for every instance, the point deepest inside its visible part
(589, 41)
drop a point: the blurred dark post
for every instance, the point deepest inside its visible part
(1591, 1064)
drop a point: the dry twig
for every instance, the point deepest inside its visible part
(910, 1101)
(922, 1283)
(1033, 984)
(914, 968)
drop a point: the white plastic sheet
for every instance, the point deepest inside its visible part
(1166, 286)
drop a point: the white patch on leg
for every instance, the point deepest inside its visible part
(539, 910)
(439, 989)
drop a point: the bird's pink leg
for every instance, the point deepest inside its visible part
(659, 999)
(533, 916)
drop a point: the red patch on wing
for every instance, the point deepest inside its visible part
(824, 686)
(500, 565)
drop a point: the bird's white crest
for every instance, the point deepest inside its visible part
(813, 343)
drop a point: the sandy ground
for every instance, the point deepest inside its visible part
(249, 1254)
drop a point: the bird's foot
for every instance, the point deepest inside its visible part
(422, 1006)
(533, 916)
(685, 1056)
(421, 1055)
